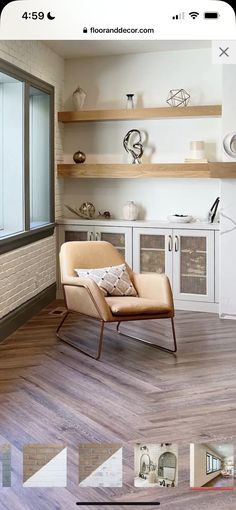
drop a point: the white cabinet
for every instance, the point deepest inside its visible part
(189, 256)
(75, 233)
(193, 265)
(120, 237)
(152, 250)
(186, 256)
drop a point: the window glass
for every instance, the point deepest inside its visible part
(209, 463)
(26, 158)
(39, 162)
(214, 464)
(11, 156)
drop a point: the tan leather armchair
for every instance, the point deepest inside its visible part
(83, 296)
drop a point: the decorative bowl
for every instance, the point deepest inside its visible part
(180, 218)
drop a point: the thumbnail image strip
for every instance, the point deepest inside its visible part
(100, 465)
(44, 466)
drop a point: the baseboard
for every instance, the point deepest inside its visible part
(24, 312)
(197, 306)
(60, 294)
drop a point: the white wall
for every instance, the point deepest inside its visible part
(150, 76)
(156, 198)
(198, 476)
(22, 272)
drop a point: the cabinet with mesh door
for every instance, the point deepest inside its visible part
(186, 256)
(120, 237)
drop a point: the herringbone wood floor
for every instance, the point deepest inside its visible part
(51, 393)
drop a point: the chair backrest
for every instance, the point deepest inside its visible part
(88, 254)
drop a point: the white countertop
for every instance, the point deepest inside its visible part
(198, 225)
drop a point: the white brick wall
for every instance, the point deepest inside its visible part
(27, 271)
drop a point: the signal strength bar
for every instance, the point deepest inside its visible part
(179, 16)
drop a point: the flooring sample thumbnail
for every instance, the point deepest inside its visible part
(44, 466)
(100, 465)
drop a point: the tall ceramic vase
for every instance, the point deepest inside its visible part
(79, 96)
(130, 211)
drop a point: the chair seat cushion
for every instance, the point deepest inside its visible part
(136, 306)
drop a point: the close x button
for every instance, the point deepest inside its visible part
(224, 52)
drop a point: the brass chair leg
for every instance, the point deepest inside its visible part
(69, 342)
(137, 339)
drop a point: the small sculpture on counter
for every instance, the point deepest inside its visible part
(105, 214)
(213, 210)
(178, 97)
(79, 157)
(86, 210)
(135, 148)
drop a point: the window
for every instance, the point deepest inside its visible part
(26, 158)
(209, 463)
(212, 463)
(39, 136)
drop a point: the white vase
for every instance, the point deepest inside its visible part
(130, 211)
(197, 150)
(79, 96)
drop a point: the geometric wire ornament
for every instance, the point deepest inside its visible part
(178, 97)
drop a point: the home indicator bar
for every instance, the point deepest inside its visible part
(118, 503)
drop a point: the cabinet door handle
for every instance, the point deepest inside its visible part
(170, 243)
(176, 243)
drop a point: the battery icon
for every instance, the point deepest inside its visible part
(211, 15)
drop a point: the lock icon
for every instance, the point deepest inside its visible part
(85, 30)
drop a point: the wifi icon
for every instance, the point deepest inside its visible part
(194, 14)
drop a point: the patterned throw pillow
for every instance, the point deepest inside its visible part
(113, 280)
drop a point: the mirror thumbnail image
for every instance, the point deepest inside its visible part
(155, 465)
(212, 465)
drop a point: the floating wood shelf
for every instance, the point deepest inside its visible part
(218, 170)
(140, 113)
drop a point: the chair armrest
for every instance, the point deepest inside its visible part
(154, 286)
(85, 297)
